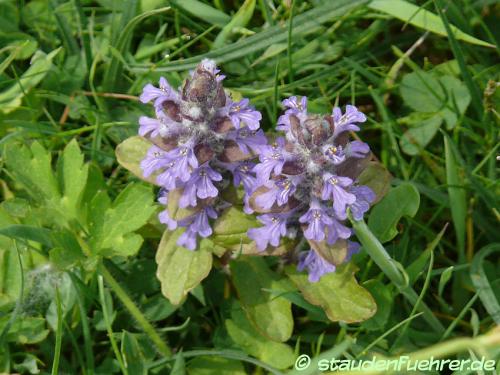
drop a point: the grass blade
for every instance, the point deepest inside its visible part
(481, 283)
(416, 16)
(456, 194)
(275, 34)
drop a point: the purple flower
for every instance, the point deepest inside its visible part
(345, 122)
(279, 192)
(335, 154)
(352, 248)
(243, 112)
(248, 139)
(164, 217)
(317, 219)
(196, 225)
(292, 105)
(274, 228)
(200, 185)
(357, 149)
(242, 174)
(333, 188)
(155, 159)
(159, 95)
(315, 264)
(337, 230)
(364, 196)
(183, 162)
(272, 159)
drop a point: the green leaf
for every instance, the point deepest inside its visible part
(113, 234)
(403, 200)
(421, 133)
(132, 354)
(241, 331)
(203, 11)
(33, 169)
(419, 17)
(272, 316)
(131, 152)
(72, 175)
(443, 280)
(232, 226)
(240, 19)
(29, 233)
(25, 330)
(384, 300)
(41, 63)
(204, 365)
(180, 270)
(443, 95)
(338, 293)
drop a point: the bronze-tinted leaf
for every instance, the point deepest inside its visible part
(334, 254)
(174, 211)
(292, 167)
(165, 144)
(232, 153)
(223, 125)
(172, 110)
(203, 153)
(377, 178)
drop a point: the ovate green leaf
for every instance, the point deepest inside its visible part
(244, 334)
(180, 270)
(338, 293)
(403, 200)
(130, 153)
(272, 316)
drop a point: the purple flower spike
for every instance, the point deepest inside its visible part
(315, 264)
(309, 177)
(199, 137)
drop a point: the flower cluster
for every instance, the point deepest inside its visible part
(307, 180)
(200, 138)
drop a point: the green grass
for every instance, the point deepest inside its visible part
(73, 70)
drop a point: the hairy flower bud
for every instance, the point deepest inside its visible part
(314, 167)
(200, 138)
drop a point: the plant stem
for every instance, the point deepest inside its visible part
(107, 320)
(57, 349)
(380, 256)
(134, 311)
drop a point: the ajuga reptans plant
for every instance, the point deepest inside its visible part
(307, 180)
(201, 138)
